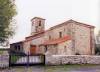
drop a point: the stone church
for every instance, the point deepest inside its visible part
(68, 38)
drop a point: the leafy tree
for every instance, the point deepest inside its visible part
(7, 12)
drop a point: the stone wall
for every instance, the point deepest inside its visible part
(81, 35)
(71, 59)
(26, 46)
(65, 48)
(38, 41)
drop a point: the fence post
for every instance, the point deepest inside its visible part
(9, 60)
(28, 59)
(44, 59)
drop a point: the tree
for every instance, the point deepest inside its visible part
(7, 13)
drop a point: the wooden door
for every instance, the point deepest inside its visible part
(33, 49)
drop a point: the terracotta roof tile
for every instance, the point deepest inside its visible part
(71, 21)
(37, 18)
(56, 41)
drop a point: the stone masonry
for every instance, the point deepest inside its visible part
(72, 59)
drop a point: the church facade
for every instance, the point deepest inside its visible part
(68, 38)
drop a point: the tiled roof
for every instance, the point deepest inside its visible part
(18, 42)
(34, 36)
(37, 18)
(57, 41)
(72, 21)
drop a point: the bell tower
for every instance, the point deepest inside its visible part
(38, 25)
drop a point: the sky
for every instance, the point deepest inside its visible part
(55, 12)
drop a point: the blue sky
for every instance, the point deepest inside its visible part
(55, 12)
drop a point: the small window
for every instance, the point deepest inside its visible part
(65, 48)
(46, 48)
(60, 34)
(15, 47)
(39, 23)
(77, 54)
(64, 29)
(49, 37)
(18, 47)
